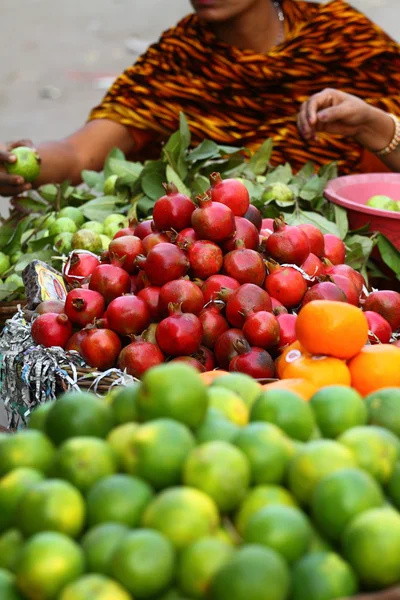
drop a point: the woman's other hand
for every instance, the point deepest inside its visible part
(11, 185)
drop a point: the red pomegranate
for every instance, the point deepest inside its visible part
(79, 267)
(152, 240)
(213, 286)
(347, 271)
(84, 306)
(287, 325)
(262, 329)
(124, 250)
(254, 216)
(246, 266)
(256, 363)
(172, 211)
(213, 323)
(347, 284)
(101, 348)
(50, 306)
(180, 333)
(164, 263)
(246, 232)
(213, 220)
(285, 284)
(144, 229)
(131, 230)
(380, 331)
(245, 300)
(206, 358)
(186, 238)
(128, 315)
(205, 259)
(151, 296)
(313, 267)
(191, 361)
(225, 347)
(335, 250)
(110, 282)
(277, 307)
(231, 192)
(51, 329)
(315, 237)
(138, 357)
(324, 290)
(183, 292)
(387, 304)
(75, 341)
(287, 244)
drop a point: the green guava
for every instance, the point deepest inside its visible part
(95, 226)
(27, 164)
(62, 225)
(382, 203)
(63, 242)
(279, 192)
(85, 239)
(72, 213)
(105, 240)
(4, 263)
(15, 279)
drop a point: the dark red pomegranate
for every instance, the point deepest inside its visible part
(75, 341)
(387, 304)
(191, 361)
(164, 263)
(105, 257)
(186, 238)
(128, 315)
(245, 300)
(256, 363)
(144, 229)
(206, 358)
(314, 268)
(172, 211)
(267, 225)
(84, 306)
(262, 329)
(212, 287)
(277, 307)
(246, 232)
(110, 281)
(335, 250)
(205, 259)
(138, 357)
(213, 323)
(151, 296)
(152, 240)
(231, 192)
(123, 252)
(50, 306)
(254, 216)
(347, 271)
(246, 266)
(315, 237)
(101, 323)
(51, 329)
(287, 245)
(285, 284)
(324, 290)
(101, 348)
(79, 267)
(183, 292)
(380, 331)
(347, 284)
(287, 325)
(180, 333)
(225, 347)
(213, 220)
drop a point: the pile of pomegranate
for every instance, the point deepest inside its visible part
(210, 283)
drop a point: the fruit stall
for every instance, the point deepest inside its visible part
(200, 364)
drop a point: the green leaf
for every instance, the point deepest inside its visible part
(145, 206)
(44, 255)
(358, 251)
(10, 291)
(206, 150)
(15, 242)
(48, 192)
(341, 220)
(305, 172)
(93, 179)
(313, 188)
(172, 150)
(123, 168)
(152, 178)
(115, 153)
(233, 150)
(282, 173)
(184, 131)
(30, 204)
(44, 242)
(328, 171)
(389, 253)
(258, 163)
(172, 176)
(99, 208)
(303, 216)
(6, 232)
(200, 185)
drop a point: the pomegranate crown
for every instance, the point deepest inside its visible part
(203, 199)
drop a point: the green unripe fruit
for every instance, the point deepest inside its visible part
(27, 164)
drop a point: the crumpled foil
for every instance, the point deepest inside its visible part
(31, 374)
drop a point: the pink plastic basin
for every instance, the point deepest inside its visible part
(353, 192)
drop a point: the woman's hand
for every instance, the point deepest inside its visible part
(11, 185)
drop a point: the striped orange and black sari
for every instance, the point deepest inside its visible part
(235, 96)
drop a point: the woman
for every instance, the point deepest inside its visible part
(239, 70)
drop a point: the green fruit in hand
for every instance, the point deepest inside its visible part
(62, 225)
(16, 280)
(63, 242)
(109, 185)
(382, 202)
(84, 239)
(27, 164)
(115, 218)
(105, 240)
(279, 192)
(4, 263)
(111, 229)
(72, 213)
(95, 226)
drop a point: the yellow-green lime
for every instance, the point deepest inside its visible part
(62, 225)
(375, 449)
(124, 404)
(94, 587)
(323, 576)
(371, 544)
(338, 408)
(56, 506)
(267, 449)
(12, 488)
(175, 391)
(8, 588)
(286, 410)
(341, 496)
(216, 426)
(99, 545)
(283, 528)
(37, 418)
(384, 409)
(220, 470)
(393, 486)
(26, 448)
(72, 213)
(183, 515)
(119, 499)
(27, 164)
(244, 385)
(319, 543)
(120, 440)
(84, 460)
(259, 497)
(252, 573)
(48, 562)
(85, 239)
(173, 594)
(229, 404)
(77, 414)
(199, 563)
(95, 226)
(312, 463)
(11, 542)
(144, 563)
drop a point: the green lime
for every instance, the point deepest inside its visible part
(11, 542)
(95, 226)
(382, 202)
(121, 440)
(384, 409)
(229, 404)
(338, 408)
(99, 545)
(72, 213)
(323, 576)
(27, 164)
(216, 427)
(62, 225)
(286, 410)
(37, 418)
(8, 588)
(12, 488)
(259, 497)
(16, 257)
(85, 239)
(15, 280)
(94, 587)
(124, 404)
(27, 448)
(393, 486)
(244, 386)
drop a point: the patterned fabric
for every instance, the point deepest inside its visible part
(235, 96)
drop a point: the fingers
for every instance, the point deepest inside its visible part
(12, 185)
(19, 143)
(309, 112)
(6, 157)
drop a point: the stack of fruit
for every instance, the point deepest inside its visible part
(213, 285)
(171, 490)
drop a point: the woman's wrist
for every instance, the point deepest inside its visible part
(377, 130)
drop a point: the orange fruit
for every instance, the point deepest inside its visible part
(319, 370)
(333, 328)
(281, 360)
(209, 376)
(302, 387)
(375, 367)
